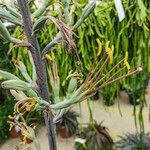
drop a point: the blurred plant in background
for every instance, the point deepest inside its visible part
(94, 136)
(6, 100)
(137, 141)
(4, 126)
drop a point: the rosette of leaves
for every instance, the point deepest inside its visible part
(96, 138)
(68, 124)
(137, 141)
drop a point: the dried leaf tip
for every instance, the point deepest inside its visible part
(139, 69)
(74, 75)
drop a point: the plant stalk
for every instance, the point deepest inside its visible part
(40, 69)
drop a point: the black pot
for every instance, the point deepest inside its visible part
(108, 102)
(96, 96)
(134, 99)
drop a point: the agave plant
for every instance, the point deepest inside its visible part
(95, 80)
(137, 141)
(68, 124)
(96, 137)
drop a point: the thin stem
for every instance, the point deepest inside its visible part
(99, 80)
(37, 144)
(91, 72)
(91, 113)
(112, 81)
(40, 69)
(116, 73)
(98, 72)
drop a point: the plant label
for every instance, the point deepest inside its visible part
(80, 140)
(120, 10)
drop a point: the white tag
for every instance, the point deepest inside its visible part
(79, 140)
(120, 10)
(97, 1)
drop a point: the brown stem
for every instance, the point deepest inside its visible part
(114, 80)
(116, 73)
(40, 68)
(98, 72)
(93, 69)
(98, 80)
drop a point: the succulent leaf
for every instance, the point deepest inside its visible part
(7, 76)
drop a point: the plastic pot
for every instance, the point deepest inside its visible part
(108, 102)
(14, 132)
(23, 138)
(134, 100)
(64, 133)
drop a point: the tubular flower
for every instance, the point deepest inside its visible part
(13, 118)
(50, 58)
(74, 74)
(27, 132)
(25, 105)
(18, 120)
(126, 62)
(99, 47)
(30, 105)
(109, 52)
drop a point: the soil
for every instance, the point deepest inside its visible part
(111, 116)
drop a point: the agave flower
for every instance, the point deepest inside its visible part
(13, 118)
(26, 131)
(24, 103)
(97, 78)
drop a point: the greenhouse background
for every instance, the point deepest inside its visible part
(74, 75)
